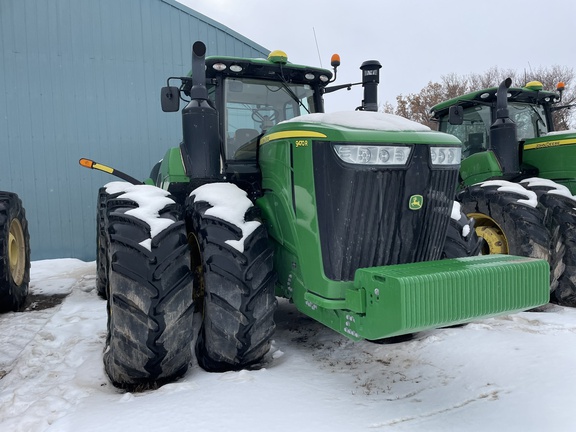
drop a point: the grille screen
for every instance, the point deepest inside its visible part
(363, 214)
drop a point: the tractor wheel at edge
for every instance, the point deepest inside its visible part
(239, 301)
(510, 220)
(150, 319)
(14, 253)
(561, 205)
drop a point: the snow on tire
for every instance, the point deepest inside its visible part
(150, 320)
(14, 253)
(461, 238)
(236, 261)
(561, 206)
(102, 242)
(511, 221)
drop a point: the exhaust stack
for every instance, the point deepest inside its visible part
(503, 136)
(370, 79)
(201, 142)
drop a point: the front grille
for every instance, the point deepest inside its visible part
(363, 214)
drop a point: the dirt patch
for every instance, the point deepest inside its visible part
(36, 302)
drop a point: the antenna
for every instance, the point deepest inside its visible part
(531, 73)
(317, 49)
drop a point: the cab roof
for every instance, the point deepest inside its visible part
(488, 96)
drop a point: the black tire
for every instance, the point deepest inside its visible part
(561, 206)
(461, 238)
(238, 290)
(14, 253)
(513, 217)
(150, 320)
(102, 242)
(565, 293)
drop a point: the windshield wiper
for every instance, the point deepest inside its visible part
(290, 92)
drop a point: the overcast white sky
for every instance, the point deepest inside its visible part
(416, 41)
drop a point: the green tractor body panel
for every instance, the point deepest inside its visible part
(171, 169)
(554, 155)
(479, 167)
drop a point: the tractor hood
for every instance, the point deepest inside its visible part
(552, 139)
(358, 126)
(553, 155)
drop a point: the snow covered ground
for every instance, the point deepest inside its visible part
(513, 373)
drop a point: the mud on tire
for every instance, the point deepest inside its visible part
(524, 227)
(14, 253)
(149, 296)
(239, 301)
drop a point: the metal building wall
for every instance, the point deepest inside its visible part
(82, 78)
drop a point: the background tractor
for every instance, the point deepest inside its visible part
(518, 175)
(14, 253)
(346, 215)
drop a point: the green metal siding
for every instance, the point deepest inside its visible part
(82, 78)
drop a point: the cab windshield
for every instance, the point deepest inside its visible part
(252, 106)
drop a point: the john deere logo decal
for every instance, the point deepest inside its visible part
(416, 202)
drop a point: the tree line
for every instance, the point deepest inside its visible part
(416, 106)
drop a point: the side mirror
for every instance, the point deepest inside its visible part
(456, 115)
(170, 99)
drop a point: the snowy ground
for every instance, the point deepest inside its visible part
(514, 373)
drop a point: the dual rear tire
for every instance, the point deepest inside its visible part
(154, 276)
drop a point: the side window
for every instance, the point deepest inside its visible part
(242, 129)
(473, 132)
(530, 120)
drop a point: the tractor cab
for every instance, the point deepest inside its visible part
(534, 148)
(528, 107)
(251, 96)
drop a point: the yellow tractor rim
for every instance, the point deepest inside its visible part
(492, 233)
(16, 251)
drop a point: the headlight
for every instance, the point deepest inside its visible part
(445, 155)
(373, 155)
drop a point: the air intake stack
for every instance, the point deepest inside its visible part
(201, 143)
(503, 136)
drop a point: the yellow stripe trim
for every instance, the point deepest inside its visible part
(102, 168)
(549, 144)
(291, 134)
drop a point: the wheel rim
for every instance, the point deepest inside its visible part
(495, 241)
(16, 251)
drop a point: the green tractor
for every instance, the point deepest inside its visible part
(518, 175)
(347, 215)
(14, 253)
